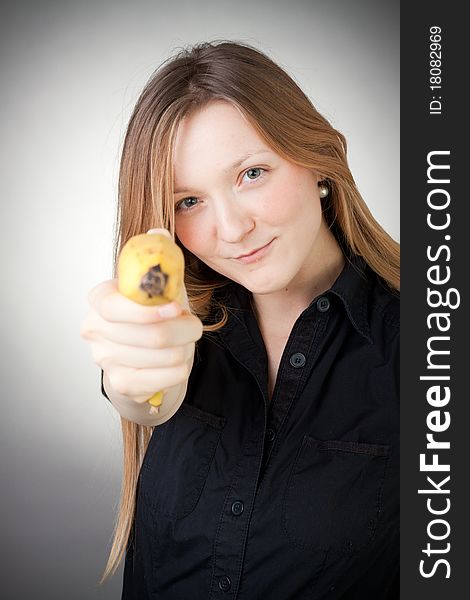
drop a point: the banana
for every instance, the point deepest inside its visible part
(150, 271)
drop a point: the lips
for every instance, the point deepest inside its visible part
(255, 254)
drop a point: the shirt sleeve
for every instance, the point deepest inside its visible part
(102, 386)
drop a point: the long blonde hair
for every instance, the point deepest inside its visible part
(286, 119)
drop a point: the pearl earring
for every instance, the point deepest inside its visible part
(324, 191)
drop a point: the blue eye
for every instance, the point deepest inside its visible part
(256, 170)
(186, 203)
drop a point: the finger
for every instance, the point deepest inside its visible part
(101, 289)
(87, 331)
(143, 383)
(116, 308)
(105, 352)
(168, 333)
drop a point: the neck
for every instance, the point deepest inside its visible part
(277, 312)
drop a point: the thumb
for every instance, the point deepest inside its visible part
(183, 299)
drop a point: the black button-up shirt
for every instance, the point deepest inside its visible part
(295, 498)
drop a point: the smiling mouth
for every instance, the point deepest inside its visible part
(255, 255)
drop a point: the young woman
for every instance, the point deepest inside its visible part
(271, 470)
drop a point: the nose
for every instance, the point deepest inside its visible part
(233, 221)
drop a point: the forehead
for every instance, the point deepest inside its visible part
(217, 115)
(216, 134)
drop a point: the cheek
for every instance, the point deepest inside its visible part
(193, 237)
(293, 204)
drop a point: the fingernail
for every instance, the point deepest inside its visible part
(161, 231)
(168, 310)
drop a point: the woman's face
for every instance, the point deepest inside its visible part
(242, 209)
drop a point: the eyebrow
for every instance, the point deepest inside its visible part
(230, 167)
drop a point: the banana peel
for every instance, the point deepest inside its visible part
(150, 271)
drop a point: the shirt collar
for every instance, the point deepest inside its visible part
(351, 287)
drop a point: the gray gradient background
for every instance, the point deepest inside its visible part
(71, 72)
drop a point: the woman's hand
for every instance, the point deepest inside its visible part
(141, 349)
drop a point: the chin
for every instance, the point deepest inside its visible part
(268, 286)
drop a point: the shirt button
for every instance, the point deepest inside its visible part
(298, 360)
(270, 435)
(224, 583)
(323, 304)
(237, 508)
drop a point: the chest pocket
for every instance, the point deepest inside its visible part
(333, 497)
(178, 459)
